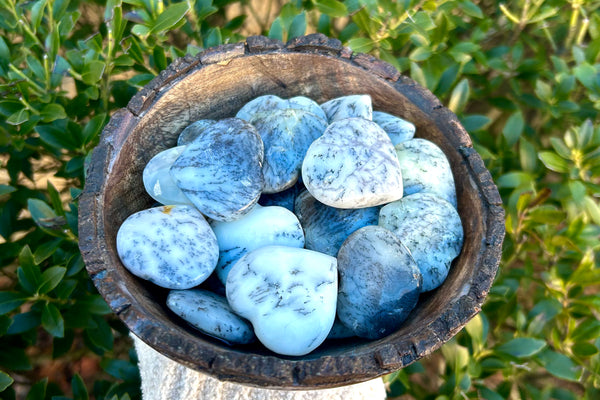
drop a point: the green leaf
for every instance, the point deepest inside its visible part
(586, 74)
(6, 189)
(38, 390)
(45, 217)
(52, 112)
(276, 30)
(333, 8)
(51, 278)
(546, 214)
(460, 96)
(559, 365)
(578, 192)
(473, 123)
(592, 208)
(523, 347)
(5, 381)
(28, 273)
(585, 134)
(14, 358)
(93, 70)
(553, 161)
(170, 17)
(515, 179)
(4, 53)
(24, 322)
(361, 45)
(18, 117)
(101, 336)
(78, 387)
(52, 321)
(471, 9)
(513, 128)
(298, 26)
(560, 147)
(584, 349)
(11, 300)
(527, 155)
(120, 369)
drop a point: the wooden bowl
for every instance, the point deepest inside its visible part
(215, 84)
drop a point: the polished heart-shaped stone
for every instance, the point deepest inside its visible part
(288, 294)
(398, 129)
(211, 314)
(221, 170)
(431, 229)
(261, 227)
(193, 130)
(379, 282)
(326, 228)
(158, 181)
(426, 169)
(269, 102)
(353, 165)
(353, 106)
(171, 246)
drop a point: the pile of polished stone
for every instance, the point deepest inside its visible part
(303, 212)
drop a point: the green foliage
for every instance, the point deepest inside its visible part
(523, 77)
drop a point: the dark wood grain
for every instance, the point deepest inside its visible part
(215, 84)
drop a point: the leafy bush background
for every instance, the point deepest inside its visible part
(524, 78)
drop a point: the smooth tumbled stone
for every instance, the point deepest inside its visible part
(158, 181)
(286, 135)
(325, 227)
(171, 246)
(379, 284)
(431, 229)
(261, 227)
(193, 130)
(357, 105)
(288, 294)
(268, 103)
(425, 168)
(353, 165)
(221, 170)
(284, 199)
(398, 129)
(211, 314)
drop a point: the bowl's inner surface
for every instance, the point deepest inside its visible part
(219, 90)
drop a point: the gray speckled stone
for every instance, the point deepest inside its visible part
(326, 227)
(380, 282)
(271, 102)
(261, 227)
(288, 294)
(171, 246)
(426, 169)
(353, 106)
(211, 314)
(194, 130)
(221, 171)
(431, 229)
(398, 129)
(353, 165)
(286, 134)
(158, 181)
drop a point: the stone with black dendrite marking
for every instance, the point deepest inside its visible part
(221, 170)
(288, 294)
(398, 129)
(170, 246)
(425, 168)
(159, 183)
(326, 227)
(285, 199)
(431, 229)
(211, 314)
(353, 165)
(379, 282)
(270, 102)
(194, 130)
(353, 106)
(261, 227)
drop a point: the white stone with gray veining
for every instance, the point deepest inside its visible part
(268, 103)
(193, 130)
(221, 170)
(353, 165)
(380, 282)
(286, 135)
(288, 294)
(325, 227)
(261, 227)
(352, 106)
(431, 229)
(211, 314)
(170, 246)
(425, 168)
(398, 129)
(158, 181)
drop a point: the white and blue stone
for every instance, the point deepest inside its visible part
(426, 169)
(286, 135)
(158, 181)
(398, 129)
(379, 285)
(326, 228)
(221, 170)
(170, 246)
(285, 199)
(211, 314)
(431, 229)
(288, 294)
(261, 227)
(353, 106)
(193, 130)
(268, 103)
(353, 165)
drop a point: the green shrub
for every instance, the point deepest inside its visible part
(523, 77)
